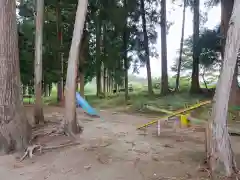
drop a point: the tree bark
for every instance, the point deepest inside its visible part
(146, 48)
(46, 93)
(181, 47)
(38, 110)
(82, 58)
(15, 130)
(71, 125)
(49, 89)
(220, 145)
(226, 12)
(104, 80)
(125, 51)
(164, 77)
(98, 56)
(234, 100)
(59, 53)
(195, 86)
(104, 40)
(82, 84)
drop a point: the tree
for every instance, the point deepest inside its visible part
(125, 38)
(181, 46)
(107, 52)
(83, 55)
(146, 47)
(15, 130)
(226, 11)
(209, 60)
(71, 125)
(38, 111)
(164, 77)
(220, 149)
(195, 87)
(60, 94)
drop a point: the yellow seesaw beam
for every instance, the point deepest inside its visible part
(176, 113)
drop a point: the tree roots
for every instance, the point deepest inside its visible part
(30, 150)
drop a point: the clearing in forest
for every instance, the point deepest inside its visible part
(112, 149)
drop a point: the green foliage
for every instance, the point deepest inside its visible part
(209, 49)
(111, 14)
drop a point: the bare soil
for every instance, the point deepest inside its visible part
(112, 149)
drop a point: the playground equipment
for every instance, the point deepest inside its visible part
(185, 119)
(181, 112)
(85, 106)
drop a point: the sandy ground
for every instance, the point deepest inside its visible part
(112, 149)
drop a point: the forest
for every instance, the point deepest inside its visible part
(59, 58)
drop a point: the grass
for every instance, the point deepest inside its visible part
(139, 100)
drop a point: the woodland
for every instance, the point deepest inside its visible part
(49, 50)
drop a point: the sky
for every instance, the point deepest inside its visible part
(174, 35)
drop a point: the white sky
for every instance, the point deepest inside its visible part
(174, 35)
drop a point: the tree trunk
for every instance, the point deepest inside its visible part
(104, 80)
(59, 53)
(82, 58)
(146, 48)
(220, 146)
(71, 125)
(107, 82)
(38, 110)
(104, 41)
(82, 85)
(234, 100)
(164, 77)
(181, 47)
(98, 56)
(59, 92)
(125, 69)
(49, 89)
(111, 82)
(24, 89)
(125, 50)
(15, 130)
(195, 87)
(46, 89)
(226, 12)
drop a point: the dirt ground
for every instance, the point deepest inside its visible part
(112, 149)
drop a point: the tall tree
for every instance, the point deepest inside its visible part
(226, 12)
(15, 130)
(38, 110)
(98, 54)
(164, 77)
(125, 49)
(181, 46)
(146, 46)
(220, 149)
(72, 127)
(83, 58)
(60, 94)
(195, 87)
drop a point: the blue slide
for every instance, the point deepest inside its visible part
(85, 106)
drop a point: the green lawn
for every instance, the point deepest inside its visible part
(139, 100)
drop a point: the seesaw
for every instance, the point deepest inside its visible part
(176, 113)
